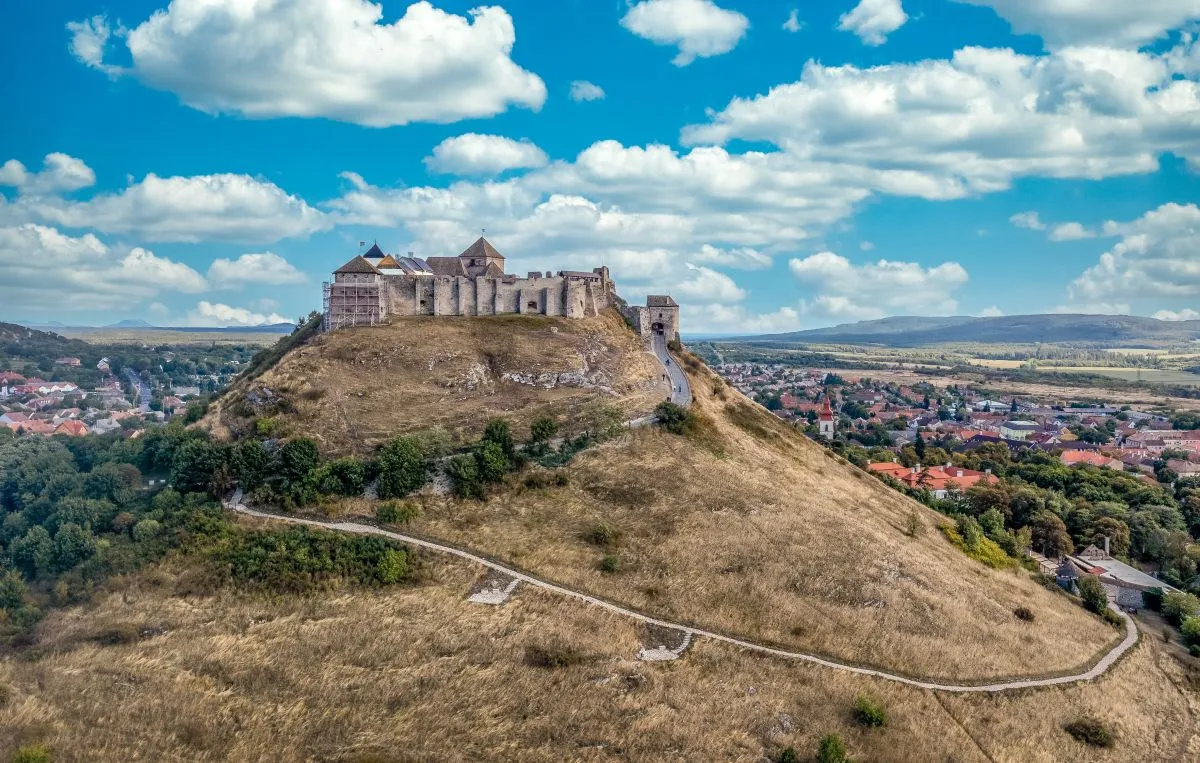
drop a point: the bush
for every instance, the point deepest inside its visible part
(296, 459)
(832, 750)
(610, 563)
(464, 475)
(674, 418)
(1177, 607)
(498, 433)
(1153, 599)
(869, 713)
(298, 559)
(538, 480)
(32, 753)
(1024, 613)
(542, 430)
(394, 513)
(788, 755)
(1092, 593)
(1190, 630)
(1090, 731)
(491, 462)
(602, 534)
(401, 467)
(146, 530)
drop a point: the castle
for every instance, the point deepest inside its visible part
(373, 286)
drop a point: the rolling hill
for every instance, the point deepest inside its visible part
(741, 526)
(909, 331)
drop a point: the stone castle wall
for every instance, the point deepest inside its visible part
(571, 297)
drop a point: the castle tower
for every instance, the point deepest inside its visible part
(479, 258)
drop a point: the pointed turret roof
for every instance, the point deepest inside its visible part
(826, 413)
(481, 249)
(358, 265)
(387, 262)
(374, 252)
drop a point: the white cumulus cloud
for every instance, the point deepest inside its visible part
(793, 23)
(744, 258)
(60, 172)
(217, 314)
(1186, 314)
(876, 289)
(698, 28)
(582, 90)
(255, 269)
(223, 207)
(991, 312)
(475, 154)
(874, 20)
(1027, 220)
(323, 58)
(1070, 232)
(1090, 22)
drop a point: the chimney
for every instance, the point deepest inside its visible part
(1106, 545)
(958, 473)
(987, 472)
(917, 469)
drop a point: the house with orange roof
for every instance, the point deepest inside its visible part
(1091, 458)
(939, 480)
(71, 428)
(35, 426)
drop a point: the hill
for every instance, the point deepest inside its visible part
(354, 388)
(740, 526)
(909, 331)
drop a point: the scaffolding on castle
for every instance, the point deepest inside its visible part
(351, 304)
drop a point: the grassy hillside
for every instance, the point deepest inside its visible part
(418, 673)
(354, 388)
(747, 527)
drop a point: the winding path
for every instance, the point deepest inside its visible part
(1105, 662)
(681, 390)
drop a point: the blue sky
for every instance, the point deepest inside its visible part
(773, 165)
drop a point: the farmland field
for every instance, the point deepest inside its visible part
(1153, 375)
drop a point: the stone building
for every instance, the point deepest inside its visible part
(373, 286)
(660, 317)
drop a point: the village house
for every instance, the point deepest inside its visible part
(1123, 584)
(939, 480)
(1018, 430)
(73, 362)
(71, 428)
(1091, 458)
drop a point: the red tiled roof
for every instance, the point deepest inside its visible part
(73, 428)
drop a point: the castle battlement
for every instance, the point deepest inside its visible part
(374, 286)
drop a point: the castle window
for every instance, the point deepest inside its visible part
(532, 305)
(422, 303)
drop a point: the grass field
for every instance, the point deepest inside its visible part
(417, 673)
(1151, 375)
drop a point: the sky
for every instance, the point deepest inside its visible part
(772, 165)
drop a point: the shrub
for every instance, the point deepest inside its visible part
(674, 418)
(296, 459)
(12, 590)
(542, 430)
(401, 467)
(299, 559)
(464, 475)
(1090, 731)
(1092, 593)
(395, 513)
(869, 713)
(610, 563)
(1153, 599)
(1177, 607)
(498, 432)
(1190, 630)
(492, 462)
(832, 750)
(345, 476)
(1024, 613)
(1112, 618)
(912, 527)
(538, 480)
(985, 551)
(788, 755)
(602, 534)
(32, 753)
(146, 530)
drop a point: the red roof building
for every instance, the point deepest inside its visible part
(72, 428)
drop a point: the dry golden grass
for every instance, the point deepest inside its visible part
(749, 528)
(414, 674)
(355, 388)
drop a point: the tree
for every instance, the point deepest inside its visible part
(919, 447)
(491, 462)
(401, 468)
(33, 553)
(1092, 593)
(673, 418)
(464, 475)
(297, 458)
(72, 545)
(1049, 534)
(12, 590)
(832, 750)
(542, 429)
(498, 432)
(193, 466)
(250, 461)
(1116, 531)
(992, 522)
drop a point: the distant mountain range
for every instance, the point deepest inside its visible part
(915, 331)
(141, 325)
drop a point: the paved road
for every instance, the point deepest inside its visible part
(1105, 662)
(142, 388)
(681, 391)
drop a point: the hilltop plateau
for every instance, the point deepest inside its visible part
(354, 388)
